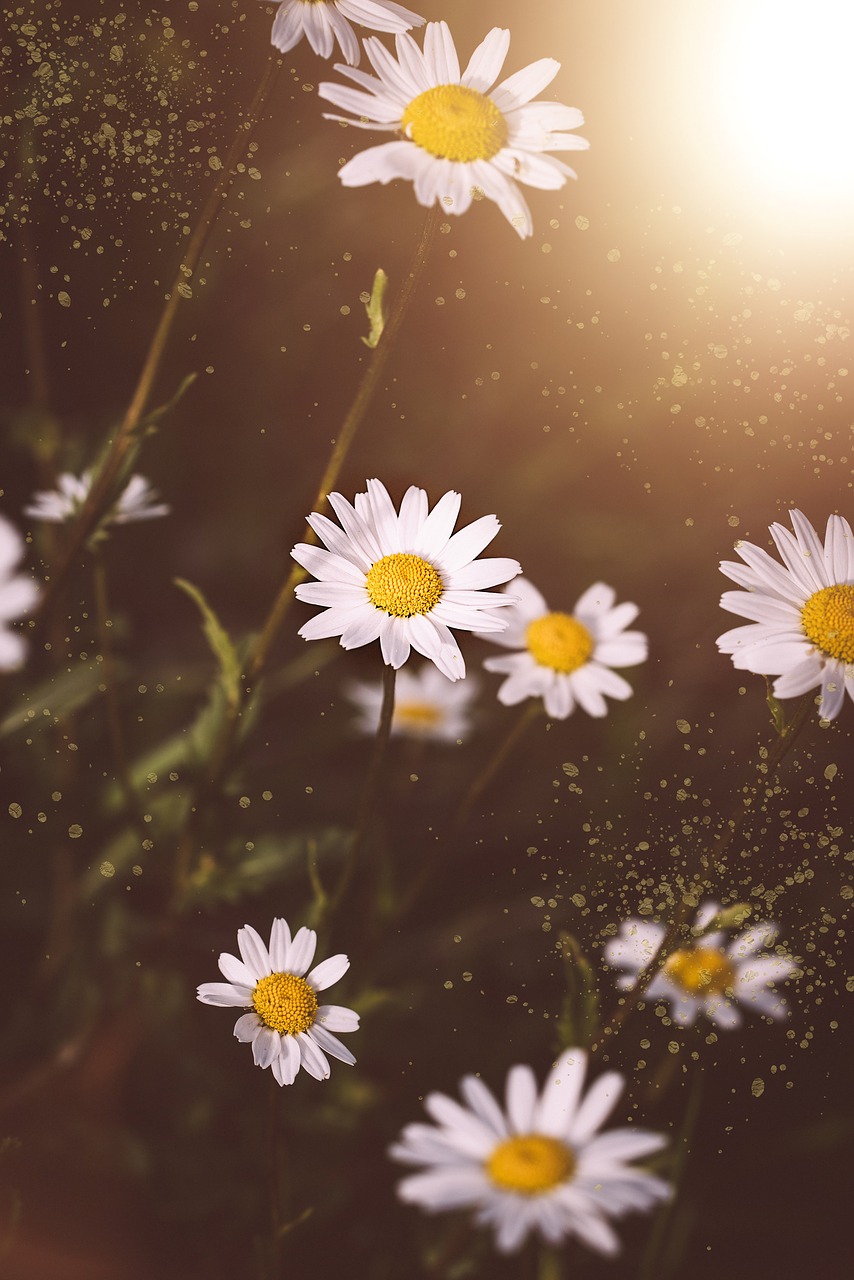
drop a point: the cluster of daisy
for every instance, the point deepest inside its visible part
(459, 136)
(406, 579)
(539, 1164)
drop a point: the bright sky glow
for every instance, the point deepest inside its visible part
(787, 80)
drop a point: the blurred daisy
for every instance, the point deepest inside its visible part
(426, 706)
(402, 578)
(459, 139)
(136, 502)
(566, 658)
(802, 612)
(539, 1164)
(17, 595)
(323, 22)
(711, 976)
(286, 1027)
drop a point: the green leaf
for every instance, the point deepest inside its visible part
(219, 641)
(54, 699)
(729, 917)
(778, 718)
(374, 308)
(579, 1016)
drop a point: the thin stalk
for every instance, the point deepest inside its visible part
(101, 493)
(370, 796)
(356, 413)
(501, 755)
(650, 1267)
(114, 719)
(675, 930)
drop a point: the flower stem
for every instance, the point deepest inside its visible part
(370, 795)
(102, 491)
(768, 765)
(652, 1258)
(501, 754)
(356, 413)
(114, 720)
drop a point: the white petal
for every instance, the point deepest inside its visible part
(327, 973)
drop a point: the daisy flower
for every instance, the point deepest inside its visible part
(801, 612)
(458, 138)
(323, 22)
(137, 501)
(17, 595)
(426, 706)
(566, 658)
(404, 579)
(286, 1026)
(537, 1165)
(711, 976)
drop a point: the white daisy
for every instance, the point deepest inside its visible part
(537, 1165)
(566, 658)
(402, 578)
(802, 612)
(459, 138)
(17, 595)
(323, 22)
(286, 1027)
(711, 976)
(426, 706)
(137, 501)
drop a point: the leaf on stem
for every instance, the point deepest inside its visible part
(374, 308)
(219, 641)
(778, 718)
(579, 1016)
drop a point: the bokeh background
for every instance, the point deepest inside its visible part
(663, 368)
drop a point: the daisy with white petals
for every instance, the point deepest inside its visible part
(286, 1026)
(537, 1165)
(712, 976)
(566, 658)
(459, 138)
(323, 22)
(17, 595)
(137, 501)
(403, 578)
(426, 706)
(801, 612)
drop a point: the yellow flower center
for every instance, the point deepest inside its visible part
(559, 641)
(531, 1164)
(285, 1002)
(403, 584)
(828, 620)
(455, 123)
(417, 716)
(701, 971)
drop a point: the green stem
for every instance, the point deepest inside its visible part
(102, 492)
(651, 1262)
(114, 720)
(505, 748)
(370, 796)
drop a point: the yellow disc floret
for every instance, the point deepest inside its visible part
(417, 717)
(701, 971)
(531, 1164)
(559, 641)
(403, 584)
(828, 620)
(285, 1002)
(455, 123)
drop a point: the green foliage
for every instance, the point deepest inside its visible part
(221, 645)
(374, 308)
(579, 1016)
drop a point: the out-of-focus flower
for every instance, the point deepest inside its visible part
(712, 976)
(137, 501)
(404, 578)
(426, 705)
(802, 612)
(323, 22)
(566, 658)
(286, 1027)
(460, 138)
(17, 595)
(539, 1164)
